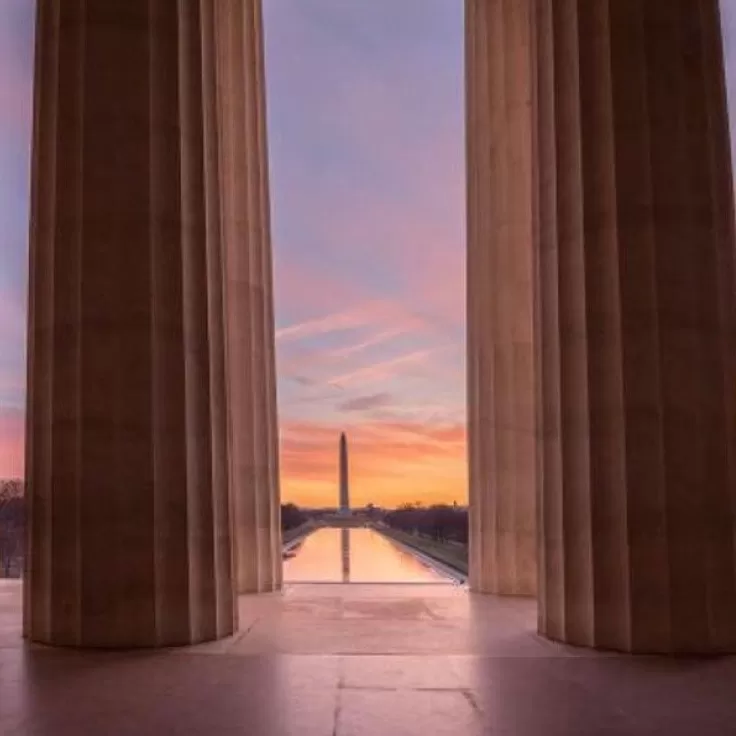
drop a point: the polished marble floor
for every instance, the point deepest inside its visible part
(353, 660)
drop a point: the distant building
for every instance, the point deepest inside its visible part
(344, 477)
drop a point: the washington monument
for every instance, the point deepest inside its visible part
(344, 490)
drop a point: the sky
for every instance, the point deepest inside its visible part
(366, 139)
(366, 125)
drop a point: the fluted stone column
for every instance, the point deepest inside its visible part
(501, 373)
(249, 297)
(129, 510)
(638, 327)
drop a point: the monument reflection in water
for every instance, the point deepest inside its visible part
(356, 555)
(343, 554)
(345, 548)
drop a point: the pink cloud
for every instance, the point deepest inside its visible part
(316, 367)
(366, 403)
(365, 333)
(374, 312)
(332, 323)
(383, 370)
(377, 339)
(379, 311)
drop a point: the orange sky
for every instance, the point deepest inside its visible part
(390, 463)
(11, 444)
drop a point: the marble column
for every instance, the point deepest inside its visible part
(129, 539)
(249, 297)
(638, 335)
(501, 372)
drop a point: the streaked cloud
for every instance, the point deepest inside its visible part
(384, 369)
(338, 322)
(367, 403)
(370, 342)
(376, 312)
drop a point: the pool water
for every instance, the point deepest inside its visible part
(356, 556)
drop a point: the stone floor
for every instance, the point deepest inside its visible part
(335, 660)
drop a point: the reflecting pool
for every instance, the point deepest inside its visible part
(356, 556)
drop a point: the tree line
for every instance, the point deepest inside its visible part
(440, 522)
(291, 516)
(12, 520)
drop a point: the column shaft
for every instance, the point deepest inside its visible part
(129, 539)
(501, 373)
(638, 334)
(249, 297)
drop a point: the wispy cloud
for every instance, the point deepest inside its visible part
(367, 403)
(383, 370)
(338, 322)
(378, 339)
(367, 314)
(364, 341)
